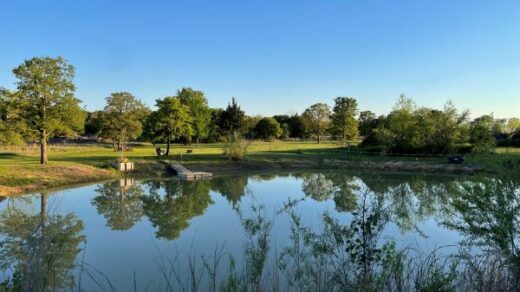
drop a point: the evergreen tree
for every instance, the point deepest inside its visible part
(232, 119)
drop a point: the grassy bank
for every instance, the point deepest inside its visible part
(21, 173)
(20, 170)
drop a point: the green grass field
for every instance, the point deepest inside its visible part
(19, 167)
(99, 155)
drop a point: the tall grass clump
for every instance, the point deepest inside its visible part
(235, 148)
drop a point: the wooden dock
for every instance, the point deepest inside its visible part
(186, 174)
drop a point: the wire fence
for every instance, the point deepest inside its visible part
(35, 148)
(62, 147)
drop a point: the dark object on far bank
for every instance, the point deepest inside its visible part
(457, 159)
(159, 151)
(125, 148)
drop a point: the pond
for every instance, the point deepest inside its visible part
(279, 231)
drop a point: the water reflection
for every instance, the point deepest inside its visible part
(340, 187)
(350, 250)
(170, 212)
(231, 187)
(120, 203)
(40, 248)
(487, 213)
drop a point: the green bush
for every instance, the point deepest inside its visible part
(379, 140)
(235, 148)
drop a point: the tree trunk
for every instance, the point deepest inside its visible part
(319, 139)
(197, 142)
(43, 148)
(168, 147)
(120, 145)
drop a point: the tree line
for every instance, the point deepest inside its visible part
(44, 106)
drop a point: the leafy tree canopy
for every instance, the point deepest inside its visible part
(268, 128)
(199, 110)
(344, 123)
(45, 99)
(317, 119)
(172, 120)
(123, 117)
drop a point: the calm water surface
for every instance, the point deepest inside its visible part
(123, 232)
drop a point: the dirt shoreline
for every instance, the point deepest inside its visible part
(391, 166)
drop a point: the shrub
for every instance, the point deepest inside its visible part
(268, 129)
(379, 140)
(235, 148)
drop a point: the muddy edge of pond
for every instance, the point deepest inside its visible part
(68, 176)
(218, 167)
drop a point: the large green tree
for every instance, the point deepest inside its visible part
(482, 134)
(11, 129)
(408, 129)
(367, 122)
(199, 111)
(45, 99)
(215, 131)
(94, 123)
(512, 126)
(232, 119)
(440, 131)
(317, 119)
(268, 128)
(344, 122)
(171, 121)
(291, 125)
(249, 126)
(296, 127)
(123, 118)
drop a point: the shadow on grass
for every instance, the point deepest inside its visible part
(10, 155)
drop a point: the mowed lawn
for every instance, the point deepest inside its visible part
(13, 160)
(99, 155)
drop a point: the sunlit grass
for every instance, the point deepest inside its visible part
(20, 166)
(70, 164)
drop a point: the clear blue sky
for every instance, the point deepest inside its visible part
(277, 56)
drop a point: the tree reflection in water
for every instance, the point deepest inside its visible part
(120, 203)
(182, 201)
(317, 186)
(488, 214)
(348, 253)
(232, 187)
(40, 248)
(168, 204)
